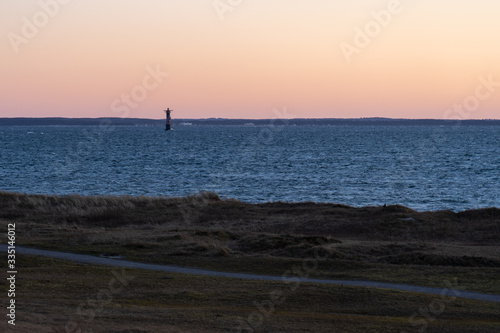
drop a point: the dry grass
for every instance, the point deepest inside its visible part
(205, 231)
(389, 244)
(207, 210)
(51, 291)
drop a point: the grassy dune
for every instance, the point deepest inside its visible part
(390, 244)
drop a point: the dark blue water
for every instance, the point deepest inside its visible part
(425, 168)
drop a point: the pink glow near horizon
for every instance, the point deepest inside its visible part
(319, 59)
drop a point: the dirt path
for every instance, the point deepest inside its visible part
(193, 271)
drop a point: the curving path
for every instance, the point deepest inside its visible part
(194, 271)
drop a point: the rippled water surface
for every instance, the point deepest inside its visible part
(425, 168)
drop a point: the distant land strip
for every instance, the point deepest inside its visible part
(244, 122)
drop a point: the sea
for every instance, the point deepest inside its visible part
(422, 167)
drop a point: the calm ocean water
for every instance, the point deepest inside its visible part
(425, 168)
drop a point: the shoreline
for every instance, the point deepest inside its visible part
(114, 121)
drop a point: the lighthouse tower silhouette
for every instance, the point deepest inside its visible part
(168, 126)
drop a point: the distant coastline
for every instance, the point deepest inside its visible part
(55, 121)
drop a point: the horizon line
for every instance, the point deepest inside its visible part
(220, 118)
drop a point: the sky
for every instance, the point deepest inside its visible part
(250, 58)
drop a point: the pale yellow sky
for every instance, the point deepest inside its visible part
(96, 58)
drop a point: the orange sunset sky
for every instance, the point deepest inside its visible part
(242, 59)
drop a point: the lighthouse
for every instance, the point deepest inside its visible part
(168, 127)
